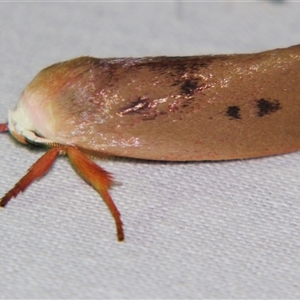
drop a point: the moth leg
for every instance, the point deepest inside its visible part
(37, 170)
(3, 127)
(100, 180)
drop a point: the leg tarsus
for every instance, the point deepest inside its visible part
(100, 179)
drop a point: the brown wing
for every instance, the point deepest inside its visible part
(178, 108)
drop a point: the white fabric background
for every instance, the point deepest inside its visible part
(193, 230)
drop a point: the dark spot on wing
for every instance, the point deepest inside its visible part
(188, 87)
(233, 112)
(266, 107)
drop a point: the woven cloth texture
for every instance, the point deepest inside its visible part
(193, 230)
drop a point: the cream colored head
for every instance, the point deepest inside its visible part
(21, 126)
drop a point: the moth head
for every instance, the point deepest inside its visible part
(21, 123)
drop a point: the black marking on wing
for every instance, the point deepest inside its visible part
(189, 87)
(233, 112)
(266, 107)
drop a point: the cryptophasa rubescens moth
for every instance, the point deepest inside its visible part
(217, 107)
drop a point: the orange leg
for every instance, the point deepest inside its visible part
(100, 181)
(37, 170)
(92, 173)
(3, 127)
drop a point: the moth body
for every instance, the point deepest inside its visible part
(168, 108)
(160, 108)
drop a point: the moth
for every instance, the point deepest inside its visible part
(216, 107)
